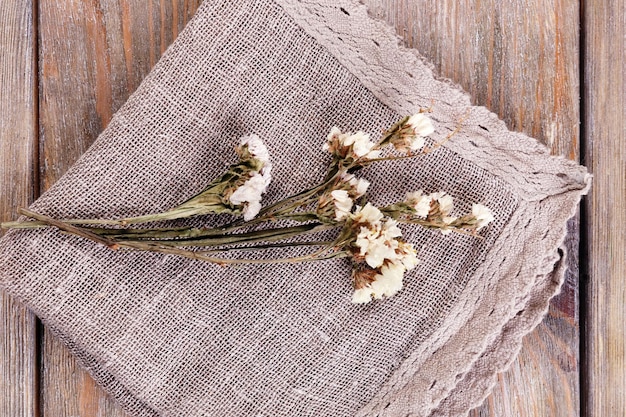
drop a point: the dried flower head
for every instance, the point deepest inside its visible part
(408, 135)
(421, 124)
(249, 196)
(443, 203)
(419, 202)
(356, 187)
(252, 147)
(350, 147)
(483, 215)
(376, 238)
(256, 173)
(343, 204)
(367, 214)
(376, 283)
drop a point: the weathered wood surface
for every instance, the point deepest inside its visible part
(604, 121)
(18, 182)
(519, 58)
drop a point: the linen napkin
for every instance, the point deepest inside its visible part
(168, 336)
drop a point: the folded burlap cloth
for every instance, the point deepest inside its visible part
(176, 337)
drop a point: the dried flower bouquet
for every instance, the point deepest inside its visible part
(368, 236)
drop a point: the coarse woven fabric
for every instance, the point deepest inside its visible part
(174, 337)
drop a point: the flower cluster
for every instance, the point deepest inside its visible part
(381, 258)
(342, 195)
(409, 134)
(435, 211)
(236, 191)
(247, 196)
(351, 147)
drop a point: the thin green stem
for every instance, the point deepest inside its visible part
(269, 235)
(319, 255)
(439, 225)
(23, 225)
(327, 243)
(82, 232)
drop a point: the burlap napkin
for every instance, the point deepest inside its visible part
(174, 337)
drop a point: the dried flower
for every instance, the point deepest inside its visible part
(343, 204)
(407, 255)
(337, 201)
(252, 147)
(362, 295)
(363, 147)
(389, 281)
(408, 134)
(419, 202)
(483, 215)
(368, 214)
(376, 283)
(445, 203)
(421, 124)
(249, 196)
(356, 187)
(255, 169)
(350, 147)
(257, 149)
(376, 238)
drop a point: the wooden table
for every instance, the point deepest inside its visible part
(546, 67)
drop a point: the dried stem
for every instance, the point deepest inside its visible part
(70, 229)
(324, 253)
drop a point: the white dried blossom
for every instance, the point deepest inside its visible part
(377, 241)
(390, 229)
(421, 124)
(350, 145)
(251, 209)
(381, 282)
(362, 295)
(251, 190)
(258, 151)
(410, 135)
(333, 140)
(420, 202)
(446, 203)
(363, 147)
(343, 204)
(367, 214)
(358, 186)
(376, 249)
(388, 282)
(256, 147)
(249, 196)
(483, 215)
(407, 255)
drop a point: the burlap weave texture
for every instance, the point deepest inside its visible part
(174, 337)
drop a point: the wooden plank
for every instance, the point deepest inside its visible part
(604, 121)
(93, 54)
(18, 146)
(520, 59)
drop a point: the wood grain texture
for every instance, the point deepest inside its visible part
(18, 143)
(604, 119)
(520, 59)
(93, 55)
